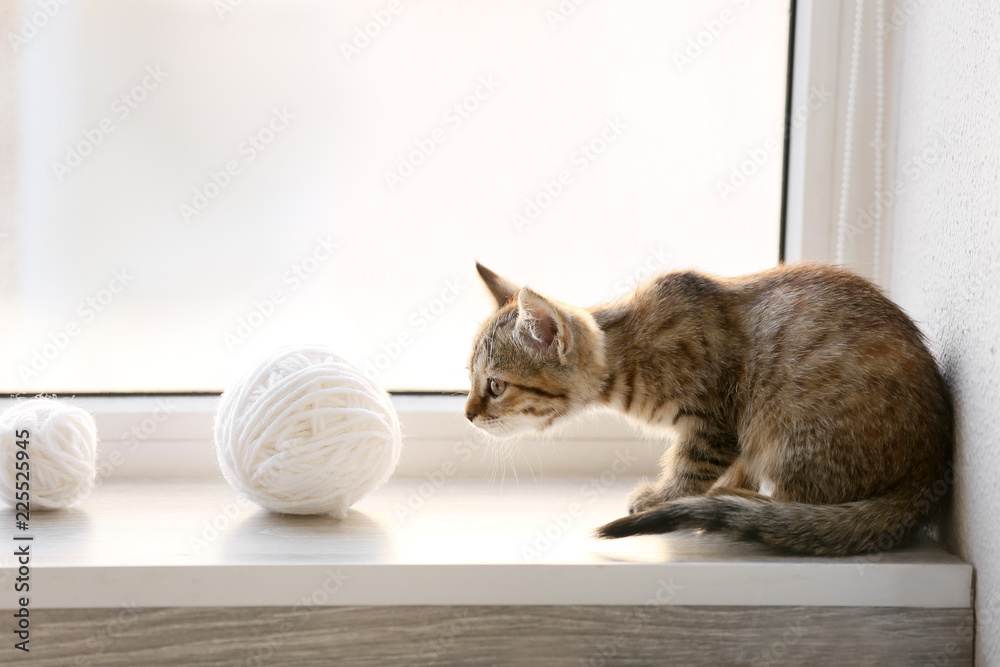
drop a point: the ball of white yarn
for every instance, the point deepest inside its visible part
(306, 433)
(62, 452)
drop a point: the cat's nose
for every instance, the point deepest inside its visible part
(471, 409)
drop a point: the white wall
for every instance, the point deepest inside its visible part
(8, 148)
(946, 256)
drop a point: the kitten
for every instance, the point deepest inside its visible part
(803, 378)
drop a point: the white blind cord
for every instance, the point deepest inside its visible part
(878, 144)
(852, 93)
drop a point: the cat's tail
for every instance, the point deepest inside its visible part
(863, 526)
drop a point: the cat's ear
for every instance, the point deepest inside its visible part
(541, 326)
(502, 289)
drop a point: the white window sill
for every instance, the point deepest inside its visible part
(170, 543)
(144, 437)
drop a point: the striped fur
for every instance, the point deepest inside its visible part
(803, 379)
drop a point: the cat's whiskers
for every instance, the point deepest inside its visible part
(509, 457)
(520, 450)
(495, 450)
(503, 454)
(490, 451)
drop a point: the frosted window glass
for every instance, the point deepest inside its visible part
(199, 183)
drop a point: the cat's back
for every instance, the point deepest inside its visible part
(810, 301)
(800, 334)
(824, 341)
(796, 330)
(795, 310)
(819, 291)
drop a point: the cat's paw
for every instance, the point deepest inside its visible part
(645, 496)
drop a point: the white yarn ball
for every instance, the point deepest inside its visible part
(306, 433)
(62, 452)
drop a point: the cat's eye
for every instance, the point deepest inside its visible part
(496, 387)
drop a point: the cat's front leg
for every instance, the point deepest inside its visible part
(645, 496)
(688, 468)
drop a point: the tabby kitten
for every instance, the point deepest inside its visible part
(802, 378)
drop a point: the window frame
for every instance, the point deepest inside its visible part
(811, 167)
(823, 37)
(159, 436)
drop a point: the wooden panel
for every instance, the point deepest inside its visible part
(387, 636)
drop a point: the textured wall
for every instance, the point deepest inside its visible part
(9, 23)
(946, 256)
